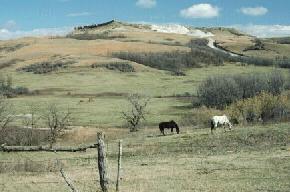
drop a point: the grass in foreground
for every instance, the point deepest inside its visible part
(246, 159)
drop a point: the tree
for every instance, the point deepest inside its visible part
(137, 112)
(56, 120)
(6, 113)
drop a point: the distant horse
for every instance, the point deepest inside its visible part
(220, 120)
(168, 125)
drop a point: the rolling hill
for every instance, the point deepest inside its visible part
(94, 68)
(82, 65)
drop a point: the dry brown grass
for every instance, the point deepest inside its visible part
(172, 163)
(88, 135)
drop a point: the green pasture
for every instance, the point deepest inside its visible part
(73, 87)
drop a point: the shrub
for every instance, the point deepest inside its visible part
(137, 112)
(46, 67)
(7, 90)
(258, 45)
(252, 60)
(175, 61)
(197, 42)
(283, 62)
(222, 91)
(276, 82)
(282, 40)
(117, 66)
(263, 107)
(88, 36)
(24, 136)
(11, 48)
(218, 92)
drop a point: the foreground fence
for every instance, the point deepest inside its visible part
(56, 165)
(5, 148)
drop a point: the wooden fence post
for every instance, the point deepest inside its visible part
(102, 162)
(119, 165)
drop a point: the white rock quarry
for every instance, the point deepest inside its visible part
(179, 29)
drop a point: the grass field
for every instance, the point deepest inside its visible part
(250, 158)
(246, 159)
(73, 88)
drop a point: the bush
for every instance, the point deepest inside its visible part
(7, 90)
(258, 45)
(263, 107)
(88, 36)
(46, 67)
(197, 42)
(218, 92)
(222, 91)
(117, 66)
(175, 61)
(283, 62)
(252, 60)
(24, 136)
(282, 40)
(11, 48)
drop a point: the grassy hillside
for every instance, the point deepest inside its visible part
(70, 80)
(79, 71)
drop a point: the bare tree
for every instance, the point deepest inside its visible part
(137, 113)
(56, 120)
(6, 113)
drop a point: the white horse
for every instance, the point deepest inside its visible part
(220, 120)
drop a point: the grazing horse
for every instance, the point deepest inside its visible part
(168, 125)
(220, 120)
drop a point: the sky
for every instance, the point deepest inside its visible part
(264, 18)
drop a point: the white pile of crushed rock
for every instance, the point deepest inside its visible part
(179, 29)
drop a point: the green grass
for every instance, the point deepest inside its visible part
(108, 90)
(252, 158)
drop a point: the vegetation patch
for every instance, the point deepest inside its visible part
(95, 36)
(258, 45)
(221, 91)
(169, 43)
(15, 136)
(94, 25)
(263, 107)
(198, 42)
(7, 89)
(125, 67)
(282, 40)
(47, 67)
(4, 64)
(175, 61)
(12, 48)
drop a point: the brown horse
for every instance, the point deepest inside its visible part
(168, 125)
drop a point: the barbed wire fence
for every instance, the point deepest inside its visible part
(79, 163)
